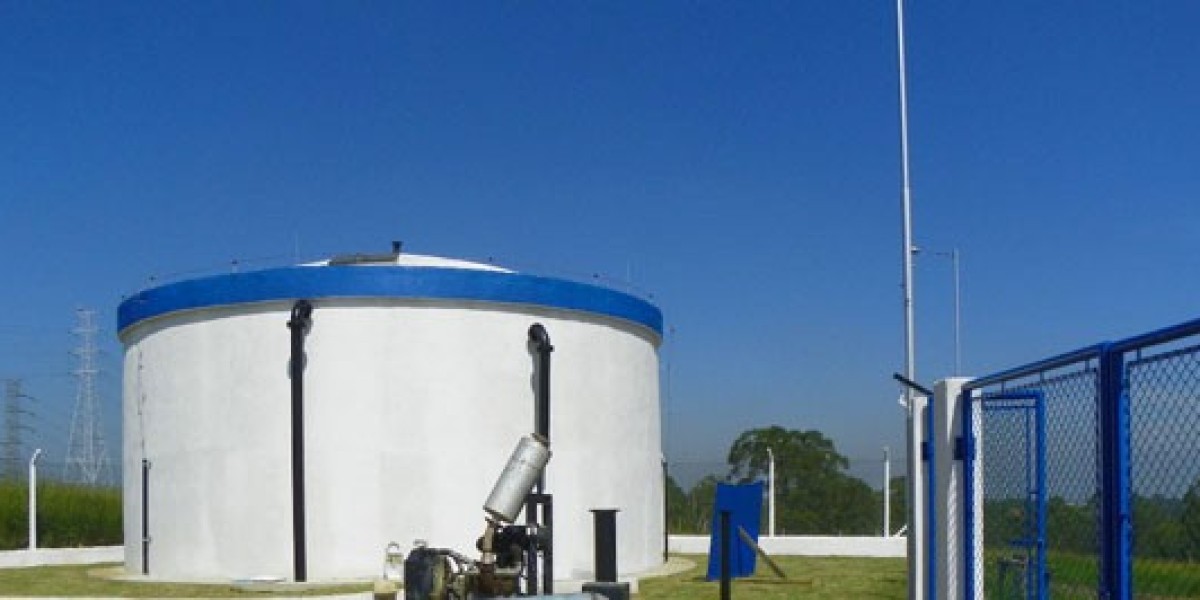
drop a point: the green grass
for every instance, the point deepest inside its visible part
(1074, 575)
(88, 580)
(808, 577)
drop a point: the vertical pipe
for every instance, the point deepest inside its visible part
(726, 551)
(540, 340)
(33, 499)
(666, 511)
(541, 345)
(145, 517)
(605, 550)
(298, 324)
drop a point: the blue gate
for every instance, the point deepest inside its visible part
(1011, 451)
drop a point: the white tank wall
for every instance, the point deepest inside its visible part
(411, 410)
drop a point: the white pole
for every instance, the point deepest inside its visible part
(33, 499)
(771, 493)
(916, 583)
(957, 316)
(887, 492)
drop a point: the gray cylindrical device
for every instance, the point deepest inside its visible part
(520, 474)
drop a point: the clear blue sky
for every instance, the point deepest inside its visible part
(737, 160)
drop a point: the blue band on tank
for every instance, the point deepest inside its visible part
(315, 283)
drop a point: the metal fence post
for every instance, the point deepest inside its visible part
(1115, 523)
(33, 541)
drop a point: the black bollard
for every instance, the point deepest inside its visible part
(726, 551)
(605, 522)
(606, 584)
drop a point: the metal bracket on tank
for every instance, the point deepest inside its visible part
(360, 258)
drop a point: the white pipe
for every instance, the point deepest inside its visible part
(33, 499)
(771, 493)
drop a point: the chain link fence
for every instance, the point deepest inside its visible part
(1164, 429)
(1116, 512)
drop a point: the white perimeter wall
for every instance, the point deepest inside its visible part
(798, 545)
(61, 556)
(411, 411)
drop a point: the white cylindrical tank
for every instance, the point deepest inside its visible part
(418, 381)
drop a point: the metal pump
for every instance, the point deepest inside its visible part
(441, 574)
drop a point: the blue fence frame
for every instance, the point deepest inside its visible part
(1114, 479)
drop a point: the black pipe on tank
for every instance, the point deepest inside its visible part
(145, 517)
(540, 340)
(299, 324)
(666, 511)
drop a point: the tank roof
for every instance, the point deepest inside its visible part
(411, 277)
(416, 260)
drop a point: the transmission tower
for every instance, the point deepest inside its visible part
(13, 428)
(87, 457)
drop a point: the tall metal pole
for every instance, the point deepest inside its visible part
(771, 493)
(915, 580)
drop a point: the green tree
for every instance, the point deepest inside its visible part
(898, 509)
(813, 492)
(1157, 528)
(701, 498)
(1191, 520)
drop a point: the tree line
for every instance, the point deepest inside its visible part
(814, 493)
(1163, 527)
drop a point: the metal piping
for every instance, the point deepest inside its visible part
(145, 517)
(299, 324)
(539, 340)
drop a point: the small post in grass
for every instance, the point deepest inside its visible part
(33, 499)
(726, 552)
